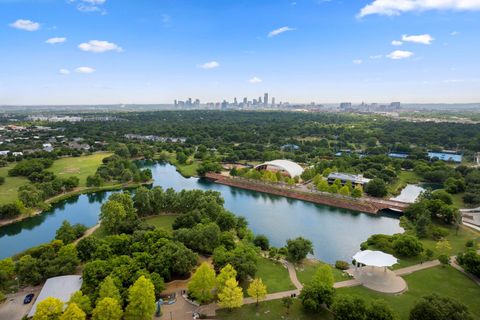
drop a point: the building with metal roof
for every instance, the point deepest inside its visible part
(347, 177)
(289, 167)
(61, 288)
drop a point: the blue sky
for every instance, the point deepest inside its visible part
(154, 51)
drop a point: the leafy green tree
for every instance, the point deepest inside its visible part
(49, 309)
(315, 294)
(28, 270)
(298, 249)
(68, 233)
(231, 295)
(262, 242)
(407, 246)
(437, 307)
(112, 215)
(257, 290)
(108, 289)
(349, 308)
(142, 201)
(141, 300)
(81, 301)
(7, 271)
(376, 188)
(344, 191)
(226, 273)
(380, 310)
(470, 260)
(324, 275)
(287, 303)
(322, 185)
(73, 312)
(202, 283)
(107, 309)
(357, 191)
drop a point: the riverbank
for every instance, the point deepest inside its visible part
(364, 204)
(73, 193)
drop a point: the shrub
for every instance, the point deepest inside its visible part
(407, 246)
(444, 259)
(438, 232)
(342, 265)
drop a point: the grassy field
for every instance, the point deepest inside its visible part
(186, 170)
(161, 221)
(272, 310)
(274, 275)
(404, 178)
(445, 281)
(81, 167)
(306, 271)
(8, 190)
(63, 168)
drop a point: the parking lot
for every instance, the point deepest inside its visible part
(13, 307)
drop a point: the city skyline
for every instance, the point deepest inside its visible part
(106, 52)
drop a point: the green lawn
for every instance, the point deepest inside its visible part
(458, 200)
(81, 167)
(306, 271)
(274, 275)
(161, 221)
(272, 310)
(8, 190)
(445, 281)
(186, 170)
(404, 178)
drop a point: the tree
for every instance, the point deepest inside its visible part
(68, 233)
(107, 309)
(108, 289)
(344, 191)
(49, 309)
(142, 201)
(315, 294)
(202, 283)
(262, 242)
(226, 273)
(231, 296)
(257, 290)
(287, 303)
(380, 310)
(357, 192)
(470, 260)
(73, 312)
(435, 307)
(407, 246)
(376, 188)
(141, 300)
(111, 216)
(28, 270)
(298, 249)
(443, 246)
(324, 275)
(81, 301)
(349, 308)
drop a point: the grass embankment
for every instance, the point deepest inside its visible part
(273, 274)
(80, 167)
(445, 281)
(187, 170)
(307, 269)
(160, 221)
(457, 243)
(404, 178)
(272, 310)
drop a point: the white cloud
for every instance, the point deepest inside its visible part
(98, 46)
(85, 70)
(210, 65)
(89, 5)
(278, 31)
(255, 80)
(357, 61)
(399, 54)
(454, 33)
(421, 38)
(64, 71)
(397, 43)
(56, 40)
(95, 2)
(397, 7)
(377, 56)
(26, 25)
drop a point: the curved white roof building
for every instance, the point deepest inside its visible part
(287, 166)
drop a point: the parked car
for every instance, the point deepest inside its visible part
(28, 298)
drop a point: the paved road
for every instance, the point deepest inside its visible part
(13, 308)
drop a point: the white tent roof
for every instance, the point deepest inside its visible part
(291, 167)
(375, 258)
(61, 288)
